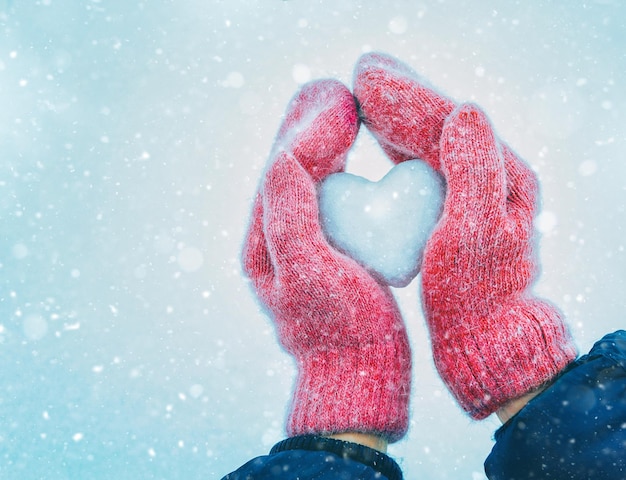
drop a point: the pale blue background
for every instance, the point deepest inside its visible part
(132, 138)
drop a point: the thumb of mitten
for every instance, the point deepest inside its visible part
(473, 168)
(291, 216)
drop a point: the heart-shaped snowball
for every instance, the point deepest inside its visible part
(383, 225)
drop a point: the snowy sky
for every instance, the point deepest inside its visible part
(132, 138)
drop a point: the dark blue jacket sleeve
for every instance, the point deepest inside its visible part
(576, 428)
(320, 458)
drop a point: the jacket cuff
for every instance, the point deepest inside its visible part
(374, 459)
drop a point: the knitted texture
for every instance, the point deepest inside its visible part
(343, 328)
(400, 109)
(492, 340)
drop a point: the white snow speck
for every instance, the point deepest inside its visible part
(398, 25)
(35, 327)
(20, 251)
(140, 272)
(588, 167)
(190, 259)
(546, 222)
(234, 80)
(196, 390)
(301, 73)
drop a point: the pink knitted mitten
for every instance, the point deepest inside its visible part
(342, 327)
(492, 340)
(399, 108)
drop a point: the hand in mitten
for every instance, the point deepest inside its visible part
(342, 327)
(492, 340)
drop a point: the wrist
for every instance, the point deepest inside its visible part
(510, 409)
(370, 440)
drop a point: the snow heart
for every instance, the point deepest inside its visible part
(383, 225)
